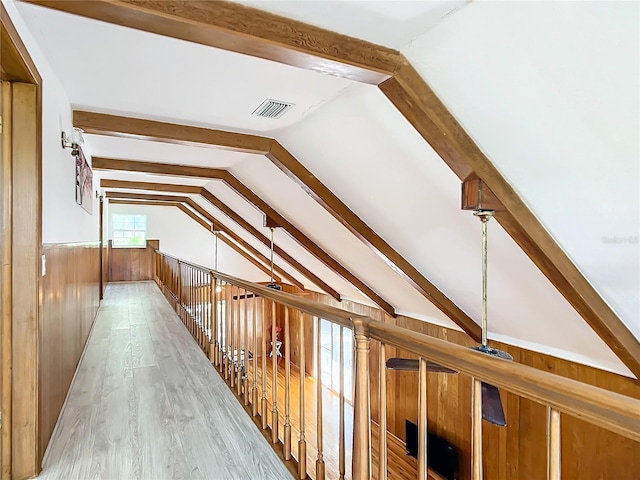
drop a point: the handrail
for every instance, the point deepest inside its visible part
(609, 410)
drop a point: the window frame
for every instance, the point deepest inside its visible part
(129, 229)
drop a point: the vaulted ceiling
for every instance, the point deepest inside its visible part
(519, 77)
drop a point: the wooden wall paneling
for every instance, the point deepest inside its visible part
(25, 280)
(71, 296)
(132, 264)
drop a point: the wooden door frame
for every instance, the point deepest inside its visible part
(21, 245)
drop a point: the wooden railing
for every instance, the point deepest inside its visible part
(233, 334)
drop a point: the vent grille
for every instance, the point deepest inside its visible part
(272, 109)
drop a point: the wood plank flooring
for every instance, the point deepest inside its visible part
(146, 404)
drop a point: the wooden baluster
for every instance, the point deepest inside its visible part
(197, 308)
(341, 434)
(245, 363)
(274, 376)
(201, 325)
(222, 347)
(382, 400)
(554, 460)
(264, 364)
(177, 290)
(361, 406)
(254, 303)
(287, 386)
(476, 429)
(302, 442)
(320, 467)
(213, 320)
(239, 342)
(227, 346)
(233, 340)
(191, 294)
(422, 420)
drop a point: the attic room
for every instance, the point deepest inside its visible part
(165, 163)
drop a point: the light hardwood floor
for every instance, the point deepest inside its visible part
(146, 404)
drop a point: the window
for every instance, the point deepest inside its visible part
(129, 230)
(330, 357)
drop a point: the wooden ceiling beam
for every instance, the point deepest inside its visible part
(154, 203)
(430, 117)
(144, 196)
(249, 31)
(160, 187)
(325, 197)
(101, 163)
(137, 128)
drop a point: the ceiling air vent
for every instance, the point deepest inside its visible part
(272, 108)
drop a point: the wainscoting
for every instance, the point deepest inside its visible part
(70, 300)
(132, 264)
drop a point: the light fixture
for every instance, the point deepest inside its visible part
(73, 141)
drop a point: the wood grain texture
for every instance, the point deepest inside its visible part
(248, 31)
(129, 127)
(146, 404)
(100, 163)
(16, 63)
(132, 264)
(341, 212)
(6, 265)
(161, 187)
(70, 302)
(25, 280)
(429, 116)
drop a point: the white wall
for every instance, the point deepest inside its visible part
(64, 221)
(182, 237)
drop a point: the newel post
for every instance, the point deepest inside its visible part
(361, 405)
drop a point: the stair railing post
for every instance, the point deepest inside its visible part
(554, 463)
(361, 405)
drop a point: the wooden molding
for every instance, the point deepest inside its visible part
(341, 212)
(144, 196)
(249, 31)
(160, 187)
(424, 110)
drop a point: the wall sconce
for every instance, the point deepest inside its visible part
(73, 141)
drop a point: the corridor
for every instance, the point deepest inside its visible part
(146, 404)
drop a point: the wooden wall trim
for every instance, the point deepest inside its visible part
(246, 30)
(430, 117)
